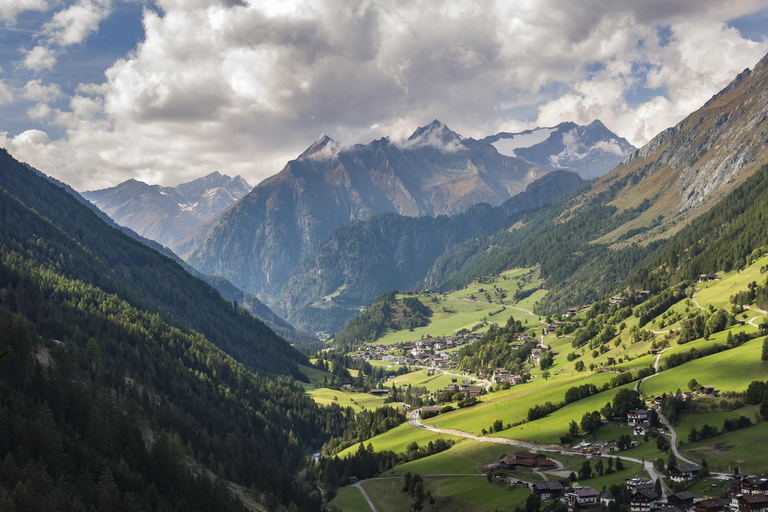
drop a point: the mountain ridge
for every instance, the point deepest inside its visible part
(166, 214)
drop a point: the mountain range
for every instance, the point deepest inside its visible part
(363, 259)
(166, 214)
(258, 241)
(590, 150)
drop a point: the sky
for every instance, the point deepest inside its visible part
(95, 92)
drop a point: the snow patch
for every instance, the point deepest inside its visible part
(507, 146)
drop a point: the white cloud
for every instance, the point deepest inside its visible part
(36, 90)
(40, 112)
(75, 23)
(243, 87)
(40, 58)
(6, 94)
(9, 9)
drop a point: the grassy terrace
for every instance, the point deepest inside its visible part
(420, 378)
(741, 448)
(398, 438)
(357, 401)
(731, 370)
(463, 493)
(350, 499)
(464, 312)
(511, 406)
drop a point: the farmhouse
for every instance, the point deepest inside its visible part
(683, 472)
(642, 429)
(753, 503)
(710, 505)
(585, 497)
(703, 278)
(636, 417)
(682, 500)
(547, 490)
(754, 485)
(643, 500)
(706, 390)
(529, 459)
(379, 392)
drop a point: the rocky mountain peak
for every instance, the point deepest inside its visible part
(434, 133)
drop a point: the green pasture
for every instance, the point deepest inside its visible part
(315, 376)
(451, 494)
(463, 312)
(420, 378)
(739, 448)
(465, 457)
(350, 499)
(358, 401)
(511, 406)
(717, 293)
(551, 427)
(398, 438)
(731, 370)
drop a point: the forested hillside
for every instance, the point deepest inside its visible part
(113, 392)
(48, 225)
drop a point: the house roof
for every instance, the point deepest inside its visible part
(683, 495)
(644, 494)
(528, 455)
(711, 503)
(686, 468)
(638, 411)
(754, 498)
(586, 492)
(607, 495)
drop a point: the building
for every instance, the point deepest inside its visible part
(529, 459)
(682, 500)
(754, 485)
(642, 428)
(683, 472)
(636, 417)
(585, 497)
(710, 505)
(706, 390)
(607, 497)
(548, 490)
(643, 500)
(753, 503)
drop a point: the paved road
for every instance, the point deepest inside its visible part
(365, 495)
(414, 421)
(674, 439)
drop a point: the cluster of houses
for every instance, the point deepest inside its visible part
(466, 387)
(424, 352)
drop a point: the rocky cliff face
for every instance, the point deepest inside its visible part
(259, 240)
(687, 168)
(166, 214)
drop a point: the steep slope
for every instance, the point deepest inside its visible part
(114, 393)
(590, 244)
(590, 150)
(362, 259)
(166, 214)
(112, 261)
(259, 240)
(227, 290)
(689, 167)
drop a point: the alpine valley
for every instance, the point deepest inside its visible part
(545, 320)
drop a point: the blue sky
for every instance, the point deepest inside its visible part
(95, 92)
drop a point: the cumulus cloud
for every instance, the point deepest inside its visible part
(243, 87)
(75, 23)
(9, 9)
(6, 94)
(39, 58)
(36, 90)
